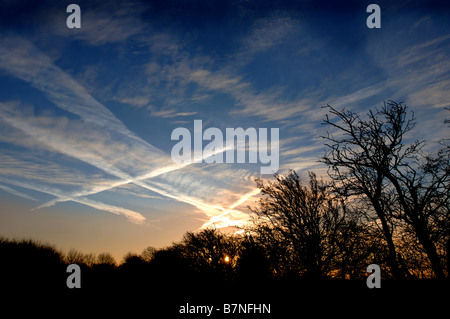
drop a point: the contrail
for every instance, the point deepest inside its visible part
(132, 216)
(20, 58)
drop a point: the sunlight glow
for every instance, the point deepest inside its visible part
(221, 217)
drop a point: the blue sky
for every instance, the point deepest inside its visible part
(86, 114)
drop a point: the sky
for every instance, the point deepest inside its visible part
(87, 114)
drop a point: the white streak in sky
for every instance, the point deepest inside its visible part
(16, 192)
(79, 139)
(132, 216)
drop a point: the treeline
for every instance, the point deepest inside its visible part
(386, 202)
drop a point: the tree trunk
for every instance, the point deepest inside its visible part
(430, 249)
(420, 227)
(392, 257)
(448, 258)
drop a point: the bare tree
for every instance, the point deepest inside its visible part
(358, 245)
(75, 257)
(300, 223)
(148, 253)
(90, 259)
(106, 259)
(131, 257)
(423, 190)
(210, 250)
(369, 157)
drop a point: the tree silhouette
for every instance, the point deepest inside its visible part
(298, 225)
(369, 157)
(210, 251)
(30, 265)
(75, 257)
(106, 259)
(169, 265)
(253, 264)
(148, 253)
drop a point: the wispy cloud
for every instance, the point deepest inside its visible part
(98, 138)
(270, 106)
(267, 33)
(132, 216)
(16, 192)
(419, 71)
(170, 113)
(104, 24)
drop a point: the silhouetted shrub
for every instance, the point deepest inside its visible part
(253, 264)
(30, 265)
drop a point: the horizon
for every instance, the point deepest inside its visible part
(87, 114)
